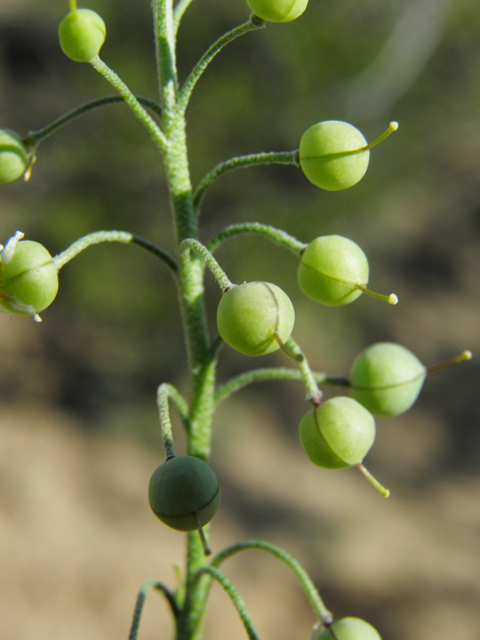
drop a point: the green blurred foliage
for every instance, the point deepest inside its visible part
(114, 332)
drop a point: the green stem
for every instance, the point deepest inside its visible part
(111, 236)
(201, 355)
(218, 273)
(176, 397)
(310, 590)
(237, 600)
(160, 253)
(142, 594)
(156, 133)
(292, 350)
(379, 487)
(254, 159)
(274, 373)
(35, 137)
(202, 64)
(393, 126)
(201, 358)
(165, 51)
(465, 355)
(164, 393)
(274, 234)
(179, 10)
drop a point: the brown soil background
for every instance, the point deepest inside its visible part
(77, 538)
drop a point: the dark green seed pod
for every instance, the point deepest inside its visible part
(13, 156)
(82, 34)
(349, 629)
(338, 433)
(29, 282)
(386, 378)
(182, 487)
(250, 314)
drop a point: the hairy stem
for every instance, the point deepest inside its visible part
(275, 235)
(292, 350)
(142, 594)
(274, 373)
(205, 60)
(237, 600)
(164, 393)
(35, 137)
(111, 236)
(156, 133)
(254, 159)
(310, 590)
(218, 273)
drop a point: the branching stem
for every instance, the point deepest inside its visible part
(142, 594)
(275, 235)
(156, 133)
(292, 350)
(218, 273)
(254, 159)
(202, 64)
(164, 393)
(310, 590)
(34, 138)
(274, 373)
(237, 600)
(112, 236)
(178, 12)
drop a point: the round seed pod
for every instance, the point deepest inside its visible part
(249, 314)
(277, 10)
(13, 156)
(330, 270)
(386, 378)
(338, 433)
(82, 34)
(319, 159)
(182, 487)
(350, 629)
(29, 282)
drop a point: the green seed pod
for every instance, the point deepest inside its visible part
(29, 282)
(82, 34)
(337, 433)
(331, 269)
(386, 378)
(13, 156)
(278, 10)
(321, 159)
(181, 488)
(349, 629)
(250, 314)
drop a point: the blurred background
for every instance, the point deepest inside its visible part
(79, 434)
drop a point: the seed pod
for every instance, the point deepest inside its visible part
(321, 159)
(250, 314)
(182, 490)
(29, 282)
(278, 10)
(13, 156)
(338, 433)
(386, 378)
(82, 34)
(331, 269)
(349, 629)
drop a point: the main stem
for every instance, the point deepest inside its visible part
(191, 294)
